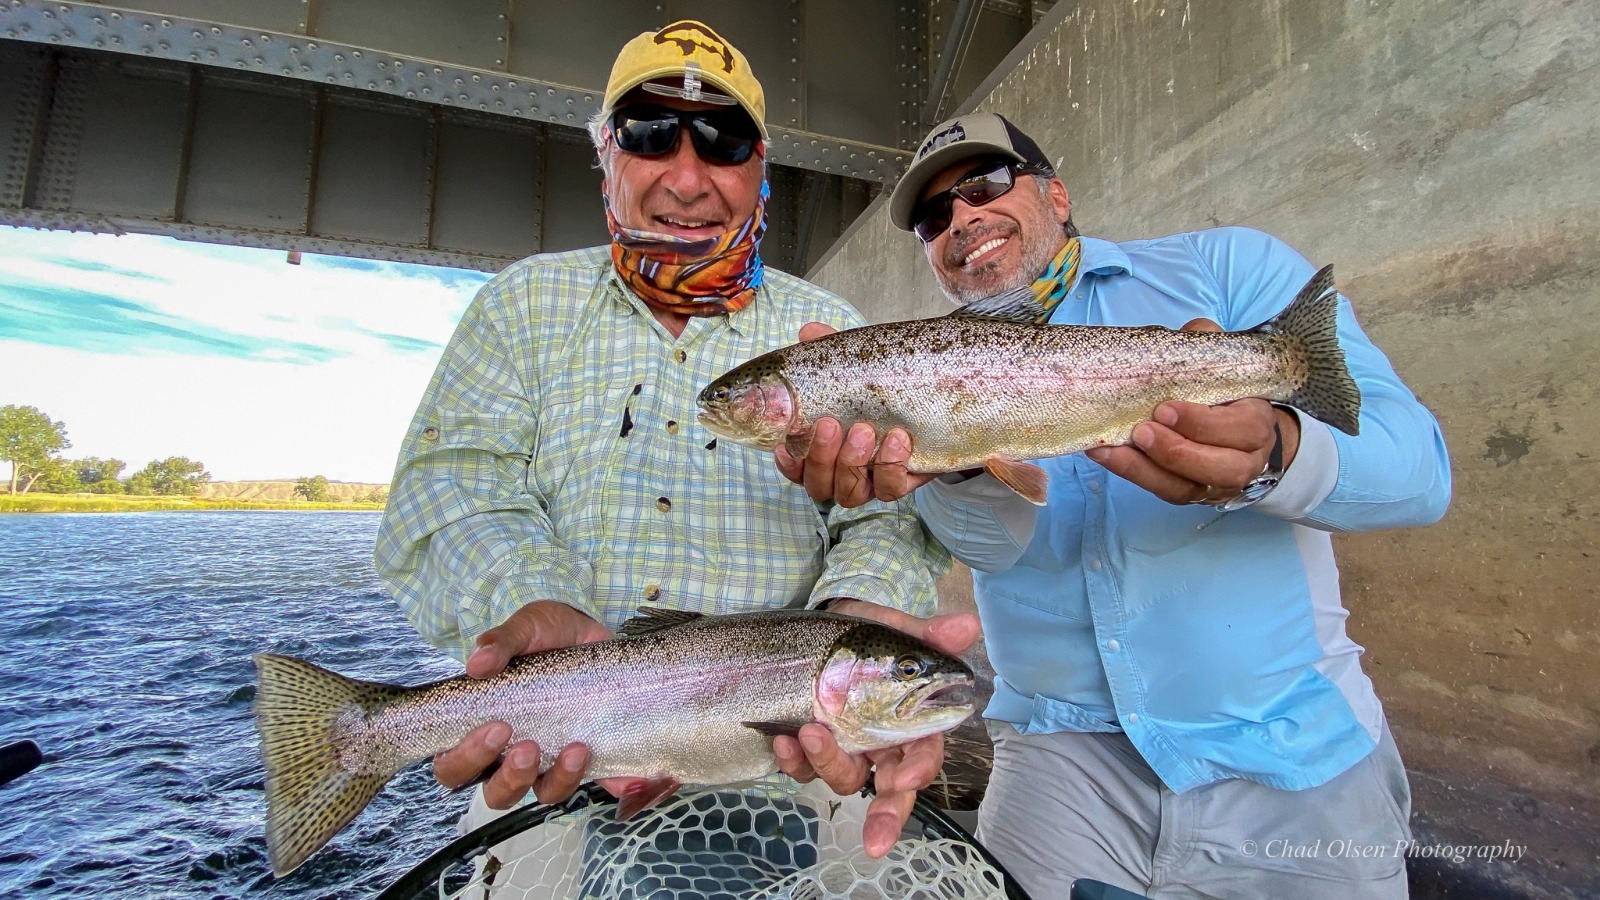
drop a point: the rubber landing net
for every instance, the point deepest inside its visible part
(772, 838)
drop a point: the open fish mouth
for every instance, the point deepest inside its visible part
(719, 425)
(953, 696)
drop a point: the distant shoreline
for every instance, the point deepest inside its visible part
(70, 503)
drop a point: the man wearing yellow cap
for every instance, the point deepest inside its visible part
(554, 478)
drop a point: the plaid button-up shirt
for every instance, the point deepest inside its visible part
(556, 456)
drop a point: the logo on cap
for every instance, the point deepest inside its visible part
(948, 136)
(689, 35)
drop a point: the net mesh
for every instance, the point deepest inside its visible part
(773, 838)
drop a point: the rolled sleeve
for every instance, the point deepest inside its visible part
(463, 543)
(882, 553)
(980, 521)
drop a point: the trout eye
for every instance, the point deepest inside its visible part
(720, 393)
(908, 668)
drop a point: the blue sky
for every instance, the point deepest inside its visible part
(150, 347)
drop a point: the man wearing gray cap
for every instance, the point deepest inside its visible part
(1178, 710)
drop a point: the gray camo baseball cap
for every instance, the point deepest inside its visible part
(962, 138)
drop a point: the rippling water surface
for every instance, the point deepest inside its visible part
(125, 645)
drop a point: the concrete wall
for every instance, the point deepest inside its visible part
(1442, 155)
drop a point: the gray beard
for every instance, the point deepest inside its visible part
(1039, 248)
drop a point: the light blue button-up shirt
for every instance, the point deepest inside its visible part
(1215, 641)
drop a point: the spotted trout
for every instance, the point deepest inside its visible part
(676, 698)
(987, 386)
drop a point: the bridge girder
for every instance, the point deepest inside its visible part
(293, 130)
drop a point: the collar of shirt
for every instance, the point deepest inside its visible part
(1104, 258)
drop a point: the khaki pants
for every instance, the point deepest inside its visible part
(1065, 806)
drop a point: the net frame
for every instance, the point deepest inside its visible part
(924, 863)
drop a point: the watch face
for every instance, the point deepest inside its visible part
(1252, 492)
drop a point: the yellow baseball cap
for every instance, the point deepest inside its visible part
(690, 51)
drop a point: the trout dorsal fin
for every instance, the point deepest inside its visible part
(652, 619)
(1019, 305)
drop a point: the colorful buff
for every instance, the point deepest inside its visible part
(1058, 278)
(689, 277)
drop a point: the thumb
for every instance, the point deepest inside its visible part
(813, 330)
(953, 632)
(1201, 324)
(513, 637)
(491, 654)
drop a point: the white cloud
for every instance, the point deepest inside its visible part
(289, 370)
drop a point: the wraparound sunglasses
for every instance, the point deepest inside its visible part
(932, 216)
(724, 137)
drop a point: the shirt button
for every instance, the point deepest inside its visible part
(672, 428)
(652, 592)
(680, 355)
(1133, 718)
(430, 433)
(1094, 565)
(663, 504)
(1094, 487)
(1113, 645)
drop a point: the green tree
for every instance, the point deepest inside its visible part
(66, 476)
(377, 495)
(314, 489)
(175, 475)
(93, 469)
(106, 486)
(28, 439)
(56, 476)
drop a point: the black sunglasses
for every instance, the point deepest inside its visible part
(726, 137)
(932, 216)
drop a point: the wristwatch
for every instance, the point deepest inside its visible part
(1262, 484)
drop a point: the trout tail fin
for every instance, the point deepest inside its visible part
(310, 795)
(1311, 321)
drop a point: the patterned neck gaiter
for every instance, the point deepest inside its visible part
(705, 277)
(1051, 287)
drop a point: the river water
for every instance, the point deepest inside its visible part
(127, 642)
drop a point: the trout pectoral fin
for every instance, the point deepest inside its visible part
(773, 729)
(644, 796)
(1025, 478)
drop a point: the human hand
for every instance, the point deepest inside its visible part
(897, 772)
(541, 625)
(1191, 453)
(843, 467)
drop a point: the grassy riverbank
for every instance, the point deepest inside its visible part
(125, 503)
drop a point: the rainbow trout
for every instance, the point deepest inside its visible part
(986, 386)
(677, 698)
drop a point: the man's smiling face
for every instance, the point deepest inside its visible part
(1001, 245)
(678, 193)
